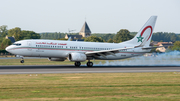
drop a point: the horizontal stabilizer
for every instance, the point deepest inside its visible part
(156, 47)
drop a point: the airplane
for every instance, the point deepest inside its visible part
(77, 51)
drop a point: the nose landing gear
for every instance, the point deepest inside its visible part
(22, 60)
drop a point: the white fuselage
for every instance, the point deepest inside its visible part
(61, 49)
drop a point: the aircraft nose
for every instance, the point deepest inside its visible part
(7, 48)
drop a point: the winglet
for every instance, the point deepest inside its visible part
(69, 39)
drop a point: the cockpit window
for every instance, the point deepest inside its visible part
(17, 44)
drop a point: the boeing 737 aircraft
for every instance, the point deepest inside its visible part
(75, 51)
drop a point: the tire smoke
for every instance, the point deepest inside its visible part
(162, 59)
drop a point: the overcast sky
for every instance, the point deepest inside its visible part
(102, 16)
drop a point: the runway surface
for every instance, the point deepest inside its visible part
(42, 69)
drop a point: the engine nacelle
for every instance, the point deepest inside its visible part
(80, 57)
(56, 59)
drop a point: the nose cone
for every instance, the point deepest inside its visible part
(7, 48)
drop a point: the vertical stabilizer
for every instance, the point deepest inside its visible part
(143, 37)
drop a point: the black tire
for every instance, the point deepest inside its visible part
(89, 64)
(22, 61)
(77, 64)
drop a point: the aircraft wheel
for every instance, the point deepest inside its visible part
(89, 64)
(77, 64)
(22, 61)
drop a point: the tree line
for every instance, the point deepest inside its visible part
(165, 37)
(55, 35)
(120, 36)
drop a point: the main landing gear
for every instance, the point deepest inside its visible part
(89, 64)
(77, 64)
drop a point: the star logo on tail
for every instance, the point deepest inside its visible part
(140, 38)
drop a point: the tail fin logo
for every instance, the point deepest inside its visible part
(140, 36)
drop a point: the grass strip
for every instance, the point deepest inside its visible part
(91, 86)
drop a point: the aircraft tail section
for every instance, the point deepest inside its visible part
(143, 37)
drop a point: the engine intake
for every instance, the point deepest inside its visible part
(80, 57)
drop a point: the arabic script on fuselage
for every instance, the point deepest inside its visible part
(50, 43)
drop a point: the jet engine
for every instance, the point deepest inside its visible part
(56, 59)
(80, 57)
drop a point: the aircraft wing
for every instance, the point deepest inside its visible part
(104, 53)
